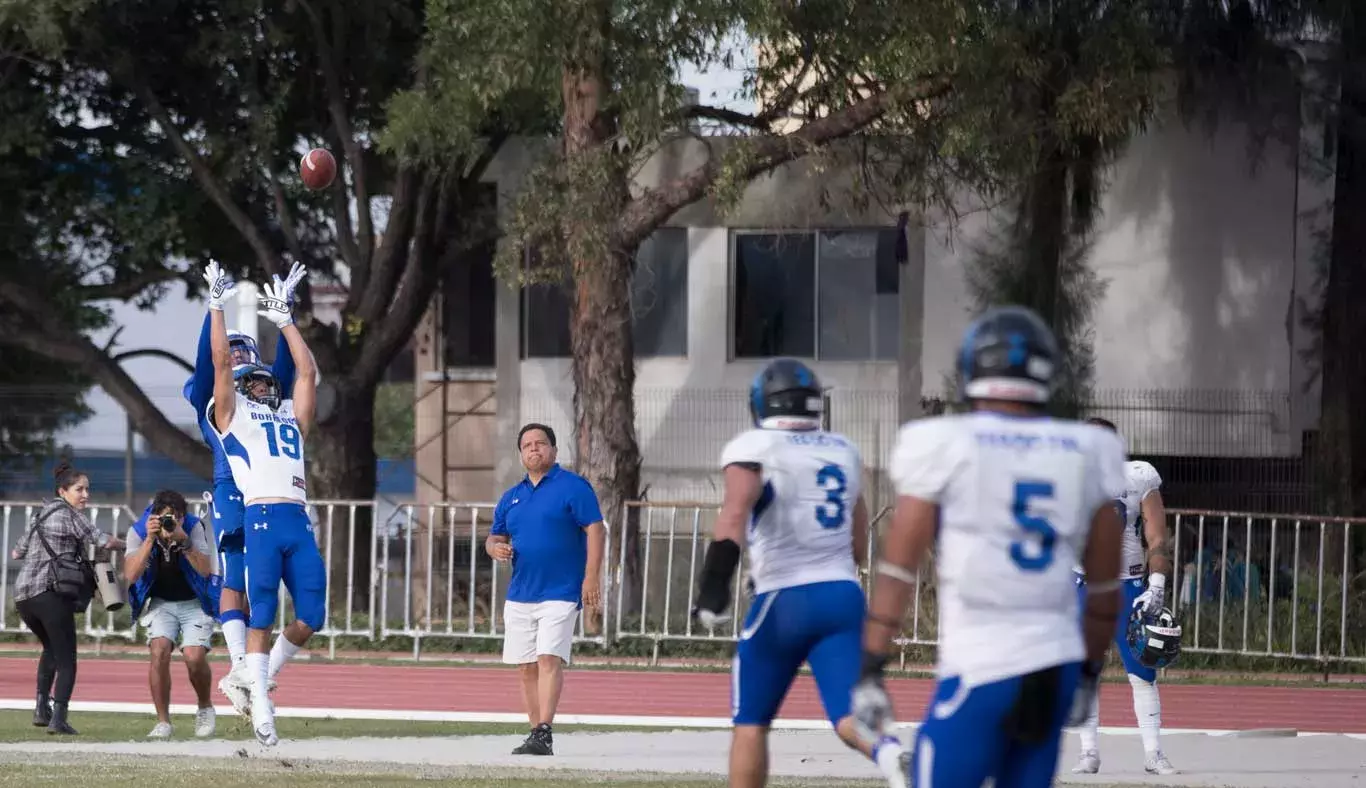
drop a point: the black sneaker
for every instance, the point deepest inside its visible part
(539, 742)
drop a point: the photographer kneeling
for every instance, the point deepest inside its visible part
(169, 570)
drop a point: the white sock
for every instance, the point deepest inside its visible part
(1148, 712)
(258, 665)
(282, 652)
(1090, 729)
(235, 633)
(887, 755)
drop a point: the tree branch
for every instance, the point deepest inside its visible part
(730, 116)
(41, 331)
(265, 254)
(353, 154)
(371, 293)
(127, 289)
(654, 206)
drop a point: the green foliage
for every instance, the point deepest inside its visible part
(394, 414)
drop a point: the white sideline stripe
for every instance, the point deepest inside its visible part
(602, 720)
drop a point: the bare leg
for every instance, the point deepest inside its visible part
(748, 756)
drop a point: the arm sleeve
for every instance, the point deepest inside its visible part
(500, 518)
(924, 459)
(200, 389)
(283, 369)
(748, 447)
(1146, 478)
(583, 504)
(199, 537)
(1107, 477)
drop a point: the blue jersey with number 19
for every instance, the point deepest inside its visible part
(1016, 499)
(801, 528)
(265, 450)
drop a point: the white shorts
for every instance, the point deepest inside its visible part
(531, 629)
(183, 621)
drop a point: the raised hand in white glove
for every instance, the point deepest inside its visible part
(869, 703)
(297, 273)
(221, 286)
(1152, 599)
(709, 619)
(275, 304)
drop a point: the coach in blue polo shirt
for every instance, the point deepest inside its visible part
(550, 527)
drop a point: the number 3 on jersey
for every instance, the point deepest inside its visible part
(287, 443)
(1024, 552)
(831, 479)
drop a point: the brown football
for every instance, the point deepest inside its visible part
(318, 169)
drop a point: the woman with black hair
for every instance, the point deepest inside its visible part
(60, 527)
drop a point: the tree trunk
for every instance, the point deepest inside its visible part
(600, 318)
(1342, 429)
(342, 465)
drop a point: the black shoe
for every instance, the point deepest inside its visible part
(42, 712)
(539, 742)
(58, 722)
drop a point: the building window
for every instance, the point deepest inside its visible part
(659, 303)
(659, 294)
(469, 292)
(823, 295)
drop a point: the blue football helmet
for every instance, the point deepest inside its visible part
(243, 349)
(786, 395)
(1008, 354)
(249, 379)
(1154, 639)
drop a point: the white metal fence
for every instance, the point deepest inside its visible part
(1245, 583)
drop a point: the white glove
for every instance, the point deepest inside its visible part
(221, 286)
(1152, 599)
(711, 620)
(1084, 697)
(871, 708)
(275, 305)
(296, 274)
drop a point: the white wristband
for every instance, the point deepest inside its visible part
(1157, 580)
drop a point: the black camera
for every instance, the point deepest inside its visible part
(168, 522)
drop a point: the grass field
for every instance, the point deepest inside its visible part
(121, 726)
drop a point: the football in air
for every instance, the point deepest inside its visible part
(318, 169)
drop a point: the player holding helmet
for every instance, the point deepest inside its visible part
(262, 434)
(792, 495)
(227, 499)
(1139, 502)
(1011, 499)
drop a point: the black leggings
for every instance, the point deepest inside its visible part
(51, 619)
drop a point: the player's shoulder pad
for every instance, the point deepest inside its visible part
(924, 455)
(1143, 476)
(749, 446)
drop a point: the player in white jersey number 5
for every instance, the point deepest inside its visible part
(263, 435)
(1140, 505)
(792, 494)
(1012, 500)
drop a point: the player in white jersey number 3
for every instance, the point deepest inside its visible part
(1139, 501)
(1012, 500)
(792, 495)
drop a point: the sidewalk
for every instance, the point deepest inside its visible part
(128, 650)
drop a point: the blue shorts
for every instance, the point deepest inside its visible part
(1130, 590)
(280, 547)
(227, 534)
(964, 738)
(821, 624)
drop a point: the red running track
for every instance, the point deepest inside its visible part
(675, 694)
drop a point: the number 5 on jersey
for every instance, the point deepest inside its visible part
(287, 442)
(1034, 552)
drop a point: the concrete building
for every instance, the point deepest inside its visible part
(1205, 258)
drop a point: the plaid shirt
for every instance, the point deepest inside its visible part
(67, 530)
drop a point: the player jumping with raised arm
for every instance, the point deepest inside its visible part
(263, 437)
(227, 499)
(1010, 499)
(1145, 519)
(792, 495)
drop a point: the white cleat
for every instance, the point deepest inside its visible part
(162, 730)
(236, 686)
(1157, 763)
(205, 722)
(265, 734)
(1089, 763)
